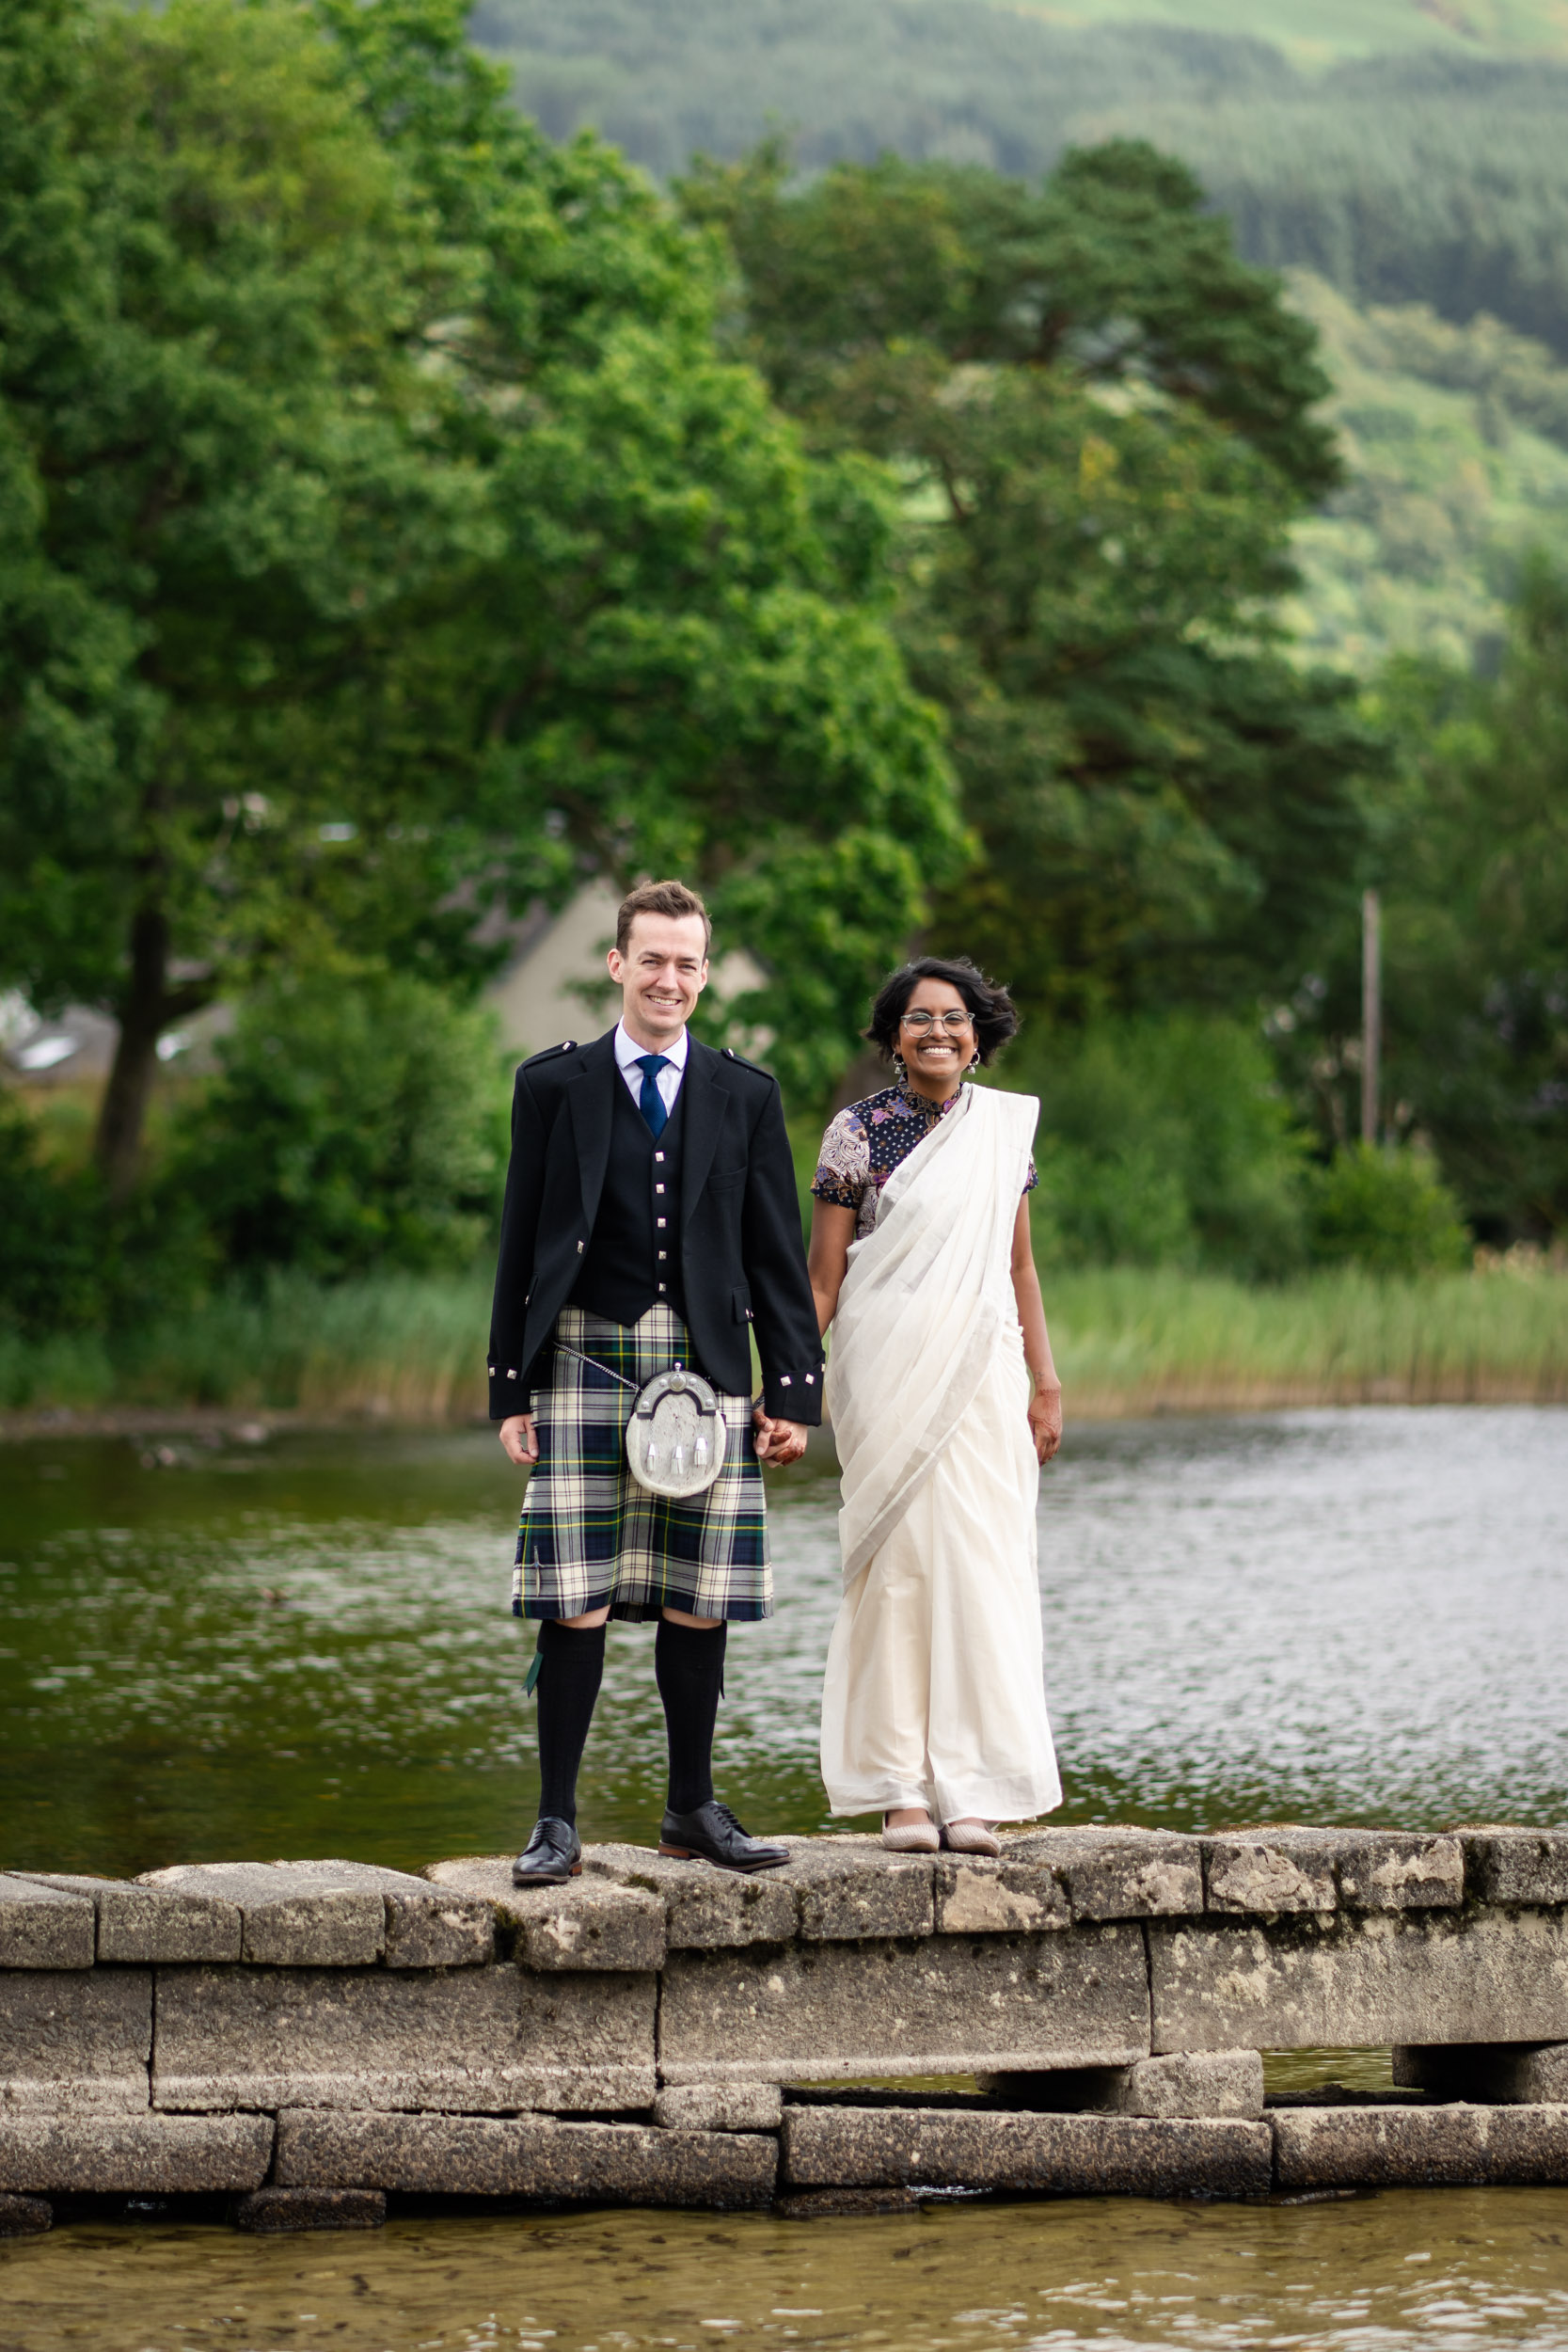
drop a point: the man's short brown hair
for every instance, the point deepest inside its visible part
(659, 897)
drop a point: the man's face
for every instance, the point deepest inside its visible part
(661, 975)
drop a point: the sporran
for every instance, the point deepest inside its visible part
(675, 1432)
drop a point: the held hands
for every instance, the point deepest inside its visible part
(1045, 1419)
(520, 1440)
(780, 1443)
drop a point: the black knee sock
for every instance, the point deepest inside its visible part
(688, 1667)
(567, 1688)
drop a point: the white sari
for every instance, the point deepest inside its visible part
(935, 1693)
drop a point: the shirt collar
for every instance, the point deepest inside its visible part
(628, 1053)
(922, 1103)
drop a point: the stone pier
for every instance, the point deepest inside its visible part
(1084, 2016)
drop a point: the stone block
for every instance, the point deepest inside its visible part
(945, 2004)
(24, 2216)
(480, 2039)
(1386, 1870)
(1490, 2074)
(42, 1926)
(588, 1923)
(1117, 1873)
(1360, 1981)
(477, 2156)
(1269, 1872)
(1278, 1868)
(850, 1889)
(1515, 1866)
(719, 2107)
(704, 1909)
(134, 2154)
(293, 1915)
(75, 2042)
(270, 2212)
(1075, 2154)
(151, 1923)
(983, 1898)
(1400, 2147)
(423, 1925)
(1190, 2083)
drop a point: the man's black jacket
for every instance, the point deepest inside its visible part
(743, 1265)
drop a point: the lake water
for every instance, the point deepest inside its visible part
(302, 1646)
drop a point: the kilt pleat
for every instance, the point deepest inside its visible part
(590, 1534)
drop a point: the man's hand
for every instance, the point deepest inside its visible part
(780, 1443)
(520, 1439)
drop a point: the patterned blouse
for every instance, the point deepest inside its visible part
(867, 1142)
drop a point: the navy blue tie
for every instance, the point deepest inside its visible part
(650, 1102)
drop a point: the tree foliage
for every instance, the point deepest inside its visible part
(384, 540)
(1476, 870)
(357, 1120)
(1103, 424)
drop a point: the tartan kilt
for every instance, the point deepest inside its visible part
(589, 1534)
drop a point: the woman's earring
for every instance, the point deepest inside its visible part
(902, 1067)
(973, 1062)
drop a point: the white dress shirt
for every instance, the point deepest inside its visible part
(668, 1080)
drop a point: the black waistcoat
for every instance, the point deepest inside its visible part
(624, 1272)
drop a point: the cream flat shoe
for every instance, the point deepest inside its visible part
(912, 1837)
(968, 1837)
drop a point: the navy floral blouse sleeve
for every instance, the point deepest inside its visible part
(867, 1142)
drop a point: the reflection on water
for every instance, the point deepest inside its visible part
(1452, 2267)
(303, 1647)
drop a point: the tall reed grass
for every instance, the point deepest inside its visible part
(1128, 1340)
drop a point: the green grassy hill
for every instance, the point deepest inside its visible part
(1320, 32)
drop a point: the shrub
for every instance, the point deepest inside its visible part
(58, 1253)
(355, 1122)
(1164, 1142)
(1388, 1211)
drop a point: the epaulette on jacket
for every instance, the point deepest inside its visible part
(550, 1052)
(730, 1055)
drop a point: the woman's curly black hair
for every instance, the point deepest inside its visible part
(991, 1008)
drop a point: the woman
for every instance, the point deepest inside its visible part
(933, 1709)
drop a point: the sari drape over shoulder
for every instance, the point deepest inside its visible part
(934, 1693)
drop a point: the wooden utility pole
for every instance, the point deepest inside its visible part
(1371, 1012)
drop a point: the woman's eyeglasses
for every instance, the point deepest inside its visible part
(921, 1022)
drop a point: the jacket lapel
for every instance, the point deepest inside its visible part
(590, 1099)
(704, 1101)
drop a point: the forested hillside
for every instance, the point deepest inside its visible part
(1455, 446)
(1434, 174)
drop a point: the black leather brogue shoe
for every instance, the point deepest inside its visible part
(552, 1856)
(712, 1833)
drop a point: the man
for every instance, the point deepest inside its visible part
(651, 1219)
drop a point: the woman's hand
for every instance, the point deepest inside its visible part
(520, 1439)
(1045, 1418)
(778, 1442)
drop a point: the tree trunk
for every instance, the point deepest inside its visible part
(145, 1010)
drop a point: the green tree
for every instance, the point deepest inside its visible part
(1103, 424)
(383, 540)
(1475, 869)
(223, 506)
(357, 1120)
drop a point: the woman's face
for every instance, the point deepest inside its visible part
(935, 1053)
